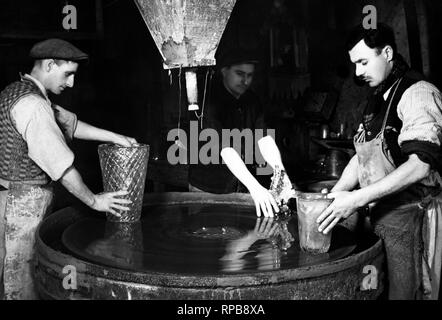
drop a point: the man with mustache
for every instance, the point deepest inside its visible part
(397, 165)
(34, 152)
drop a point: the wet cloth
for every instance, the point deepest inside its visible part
(3, 195)
(432, 264)
(24, 207)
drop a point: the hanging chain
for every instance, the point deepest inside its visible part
(201, 116)
(179, 102)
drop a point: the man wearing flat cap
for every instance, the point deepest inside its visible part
(231, 105)
(34, 152)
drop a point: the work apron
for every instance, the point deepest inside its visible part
(411, 233)
(22, 208)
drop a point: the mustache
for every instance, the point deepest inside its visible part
(359, 80)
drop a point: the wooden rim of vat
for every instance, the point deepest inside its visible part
(55, 260)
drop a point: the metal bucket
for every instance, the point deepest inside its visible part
(335, 162)
(125, 168)
(309, 208)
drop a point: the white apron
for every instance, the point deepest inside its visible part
(22, 208)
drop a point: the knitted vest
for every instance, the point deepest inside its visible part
(15, 164)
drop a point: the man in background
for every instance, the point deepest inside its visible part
(231, 105)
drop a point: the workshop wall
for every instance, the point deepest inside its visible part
(125, 88)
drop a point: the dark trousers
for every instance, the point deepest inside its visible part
(400, 229)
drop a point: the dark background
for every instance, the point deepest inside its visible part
(124, 87)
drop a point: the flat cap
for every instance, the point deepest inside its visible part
(230, 57)
(57, 49)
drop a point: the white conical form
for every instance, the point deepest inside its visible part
(270, 152)
(187, 32)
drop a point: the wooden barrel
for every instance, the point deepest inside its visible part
(60, 275)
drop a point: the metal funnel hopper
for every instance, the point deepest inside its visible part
(187, 32)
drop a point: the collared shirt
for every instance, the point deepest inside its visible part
(40, 124)
(416, 127)
(420, 110)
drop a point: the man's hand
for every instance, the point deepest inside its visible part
(261, 196)
(237, 248)
(265, 229)
(123, 140)
(345, 204)
(110, 202)
(264, 201)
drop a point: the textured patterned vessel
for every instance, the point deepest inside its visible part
(125, 168)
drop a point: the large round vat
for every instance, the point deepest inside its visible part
(73, 261)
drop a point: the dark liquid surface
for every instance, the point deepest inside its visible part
(196, 239)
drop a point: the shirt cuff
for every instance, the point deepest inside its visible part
(66, 120)
(427, 152)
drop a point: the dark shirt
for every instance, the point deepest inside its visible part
(224, 111)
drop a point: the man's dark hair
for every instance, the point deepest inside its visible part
(373, 38)
(39, 63)
(58, 62)
(233, 56)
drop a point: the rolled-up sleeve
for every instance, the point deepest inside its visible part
(35, 121)
(420, 110)
(67, 121)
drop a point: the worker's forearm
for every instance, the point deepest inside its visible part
(238, 168)
(85, 131)
(73, 182)
(349, 178)
(410, 172)
(270, 152)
